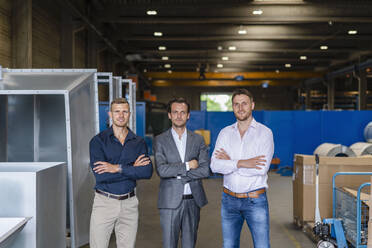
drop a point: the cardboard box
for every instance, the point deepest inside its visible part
(304, 182)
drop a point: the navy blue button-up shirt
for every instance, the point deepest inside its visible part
(107, 148)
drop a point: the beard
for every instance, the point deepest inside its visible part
(244, 117)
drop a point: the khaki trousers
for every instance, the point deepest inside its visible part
(107, 214)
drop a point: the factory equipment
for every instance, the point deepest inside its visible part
(334, 150)
(36, 190)
(368, 132)
(362, 148)
(9, 229)
(49, 115)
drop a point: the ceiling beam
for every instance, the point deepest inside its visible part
(235, 20)
(177, 51)
(233, 75)
(244, 37)
(221, 83)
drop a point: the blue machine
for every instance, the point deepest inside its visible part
(294, 131)
(344, 227)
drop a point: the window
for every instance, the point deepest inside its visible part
(216, 102)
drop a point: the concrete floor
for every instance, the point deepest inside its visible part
(283, 233)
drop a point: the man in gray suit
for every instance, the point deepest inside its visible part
(182, 160)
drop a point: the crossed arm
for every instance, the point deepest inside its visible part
(258, 165)
(106, 172)
(198, 167)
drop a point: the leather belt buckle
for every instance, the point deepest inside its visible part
(117, 197)
(252, 194)
(187, 196)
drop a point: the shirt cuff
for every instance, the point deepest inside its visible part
(187, 166)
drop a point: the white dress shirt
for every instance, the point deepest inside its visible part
(181, 147)
(256, 141)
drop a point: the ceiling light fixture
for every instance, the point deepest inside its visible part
(242, 31)
(232, 48)
(158, 34)
(162, 48)
(219, 48)
(303, 57)
(288, 65)
(323, 47)
(167, 66)
(225, 58)
(165, 58)
(152, 12)
(257, 12)
(351, 32)
(219, 65)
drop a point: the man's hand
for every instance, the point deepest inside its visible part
(103, 167)
(193, 164)
(222, 154)
(142, 160)
(253, 163)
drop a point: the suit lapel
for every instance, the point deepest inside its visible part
(172, 145)
(189, 142)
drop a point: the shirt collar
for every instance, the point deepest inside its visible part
(176, 136)
(130, 135)
(253, 124)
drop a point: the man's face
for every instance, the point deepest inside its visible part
(120, 114)
(242, 106)
(178, 114)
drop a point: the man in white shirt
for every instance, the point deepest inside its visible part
(243, 154)
(181, 159)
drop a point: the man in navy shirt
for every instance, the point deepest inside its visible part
(118, 158)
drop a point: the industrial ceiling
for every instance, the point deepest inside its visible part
(232, 36)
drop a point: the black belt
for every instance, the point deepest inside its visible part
(187, 197)
(117, 197)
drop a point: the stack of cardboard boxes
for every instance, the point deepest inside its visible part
(304, 182)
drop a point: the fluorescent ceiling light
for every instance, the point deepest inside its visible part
(352, 32)
(152, 12)
(219, 48)
(225, 58)
(242, 31)
(162, 48)
(303, 57)
(232, 48)
(167, 66)
(257, 12)
(165, 58)
(219, 65)
(158, 34)
(288, 65)
(323, 47)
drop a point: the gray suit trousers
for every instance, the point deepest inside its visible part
(184, 219)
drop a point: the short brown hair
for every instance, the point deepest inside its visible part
(118, 101)
(242, 92)
(178, 100)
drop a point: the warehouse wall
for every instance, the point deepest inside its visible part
(272, 98)
(46, 36)
(5, 33)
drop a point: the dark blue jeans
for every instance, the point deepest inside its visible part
(256, 213)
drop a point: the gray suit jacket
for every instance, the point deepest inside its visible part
(169, 166)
